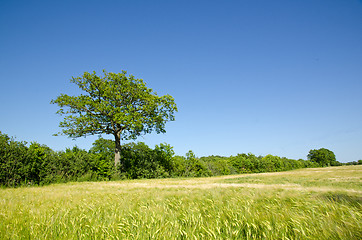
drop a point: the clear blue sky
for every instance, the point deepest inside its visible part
(274, 77)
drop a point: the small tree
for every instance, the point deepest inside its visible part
(114, 104)
(323, 157)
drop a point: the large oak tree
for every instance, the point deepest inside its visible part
(114, 104)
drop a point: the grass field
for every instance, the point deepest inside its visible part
(323, 203)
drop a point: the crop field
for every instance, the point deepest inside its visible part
(318, 203)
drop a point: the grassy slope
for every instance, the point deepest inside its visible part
(323, 203)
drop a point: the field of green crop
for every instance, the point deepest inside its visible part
(323, 203)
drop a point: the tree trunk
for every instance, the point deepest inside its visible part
(117, 150)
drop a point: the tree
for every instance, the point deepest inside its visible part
(114, 104)
(195, 167)
(165, 154)
(323, 157)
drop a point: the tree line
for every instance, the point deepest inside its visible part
(35, 164)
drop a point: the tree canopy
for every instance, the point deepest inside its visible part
(323, 157)
(114, 104)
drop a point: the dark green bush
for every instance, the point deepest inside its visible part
(102, 158)
(140, 161)
(13, 155)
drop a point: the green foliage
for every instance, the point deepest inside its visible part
(164, 154)
(74, 163)
(13, 156)
(218, 165)
(114, 104)
(38, 164)
(323, 157)
(35, 169)
(249, 163)
(242, 163)
(140, 161)
(136, 160)
(112, 100)
(22, 165)
(179, 163)
(102, 158)
(359, 162)
(195, 167)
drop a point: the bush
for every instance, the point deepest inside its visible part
(73, 163)
(102, 161)
(323, 157)
(140, 161)
(13, 156)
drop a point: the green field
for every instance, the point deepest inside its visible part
(319, 203)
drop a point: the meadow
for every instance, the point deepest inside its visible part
(316, 203)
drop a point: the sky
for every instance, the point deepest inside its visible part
(265, 77)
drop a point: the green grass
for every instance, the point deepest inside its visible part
(322, 203)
